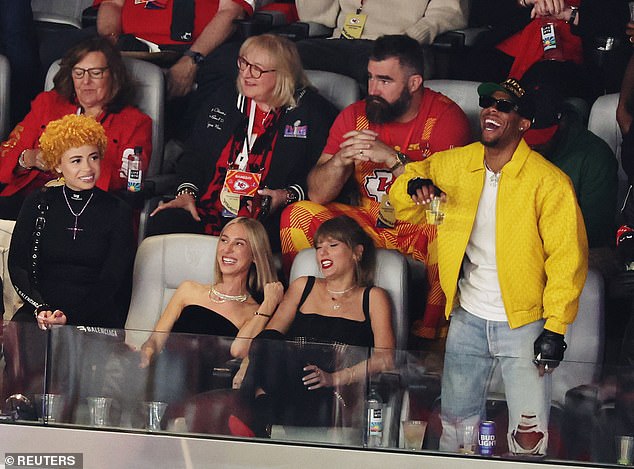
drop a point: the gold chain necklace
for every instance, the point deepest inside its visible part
(337, 303)
(223, 297)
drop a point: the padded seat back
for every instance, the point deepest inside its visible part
(5, 96)
(602, 122)
(390, 274)
(464, 94)
(586, 343)
(150, 98)
(162, 263)
(65, 12)
(340, 90)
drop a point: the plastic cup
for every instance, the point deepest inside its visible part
(435, 214)
(624, 450)
(99, 411)
(467, 438)
(154, 411)
(414, 433)
(49, 407)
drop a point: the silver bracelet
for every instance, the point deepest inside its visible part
(21, 161)
(186, 190)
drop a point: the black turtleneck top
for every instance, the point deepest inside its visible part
(84, 272)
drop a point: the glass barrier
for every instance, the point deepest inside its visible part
(300, 391)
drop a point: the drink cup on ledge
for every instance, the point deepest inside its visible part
(414, 434)
(467, 438)
(99, 411)
(49, 407)
(154, 414)
(624, 450)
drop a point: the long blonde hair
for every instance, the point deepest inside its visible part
(262, 270)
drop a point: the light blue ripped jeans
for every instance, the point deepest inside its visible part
(474, 345)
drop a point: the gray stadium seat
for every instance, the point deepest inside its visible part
(161, 264)
(465, 95)
(603, 123)
(63, 12)
(5, 96)
(340, 90)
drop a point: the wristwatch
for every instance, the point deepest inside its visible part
(401, 160)
(196, 57)
(573, 14)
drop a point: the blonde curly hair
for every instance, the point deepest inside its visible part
(71, 131)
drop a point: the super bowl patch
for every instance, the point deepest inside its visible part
(296, 130)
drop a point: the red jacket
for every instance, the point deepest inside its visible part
(125, 129)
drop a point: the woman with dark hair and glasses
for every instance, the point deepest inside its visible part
(92, 80)
(254, 140)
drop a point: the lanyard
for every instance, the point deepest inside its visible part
(360, 7)
(249, 139)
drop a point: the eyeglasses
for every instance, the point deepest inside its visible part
(502, 105)
(256, 70)
(96, 73)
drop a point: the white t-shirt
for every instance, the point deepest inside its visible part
(479, 285)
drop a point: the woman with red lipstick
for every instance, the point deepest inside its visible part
(93, 81)
(72, 248)
(240, 302)
(298, 383)
(257, 139)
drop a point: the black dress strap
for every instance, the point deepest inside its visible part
(310, 282)
(366, 303)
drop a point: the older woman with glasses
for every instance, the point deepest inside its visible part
(251, 147)
(92, 80)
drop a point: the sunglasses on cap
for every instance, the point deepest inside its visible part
(502, 105)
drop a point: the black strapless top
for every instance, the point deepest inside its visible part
(196, 319)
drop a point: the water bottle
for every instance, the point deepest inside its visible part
(374, 406)
(135, 172)
(550, 39)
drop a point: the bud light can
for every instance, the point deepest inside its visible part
(486, 438)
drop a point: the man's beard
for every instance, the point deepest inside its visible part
(379, 111)
(491, 143)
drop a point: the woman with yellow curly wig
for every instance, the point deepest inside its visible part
(72, 248)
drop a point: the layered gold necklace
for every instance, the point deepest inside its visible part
(340, 294)
(223, 297)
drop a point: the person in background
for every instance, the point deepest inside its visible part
(254, 142)
(195, 28)
(92, 81)
(368, 145)
(513, 47)
(559, 133)
(513, 259)
(358, 23)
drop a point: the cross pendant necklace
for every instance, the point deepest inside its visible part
(76, 215)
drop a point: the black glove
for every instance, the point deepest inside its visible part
(414, 184)
(549, 349)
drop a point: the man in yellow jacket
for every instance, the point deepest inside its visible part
(512, 257)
